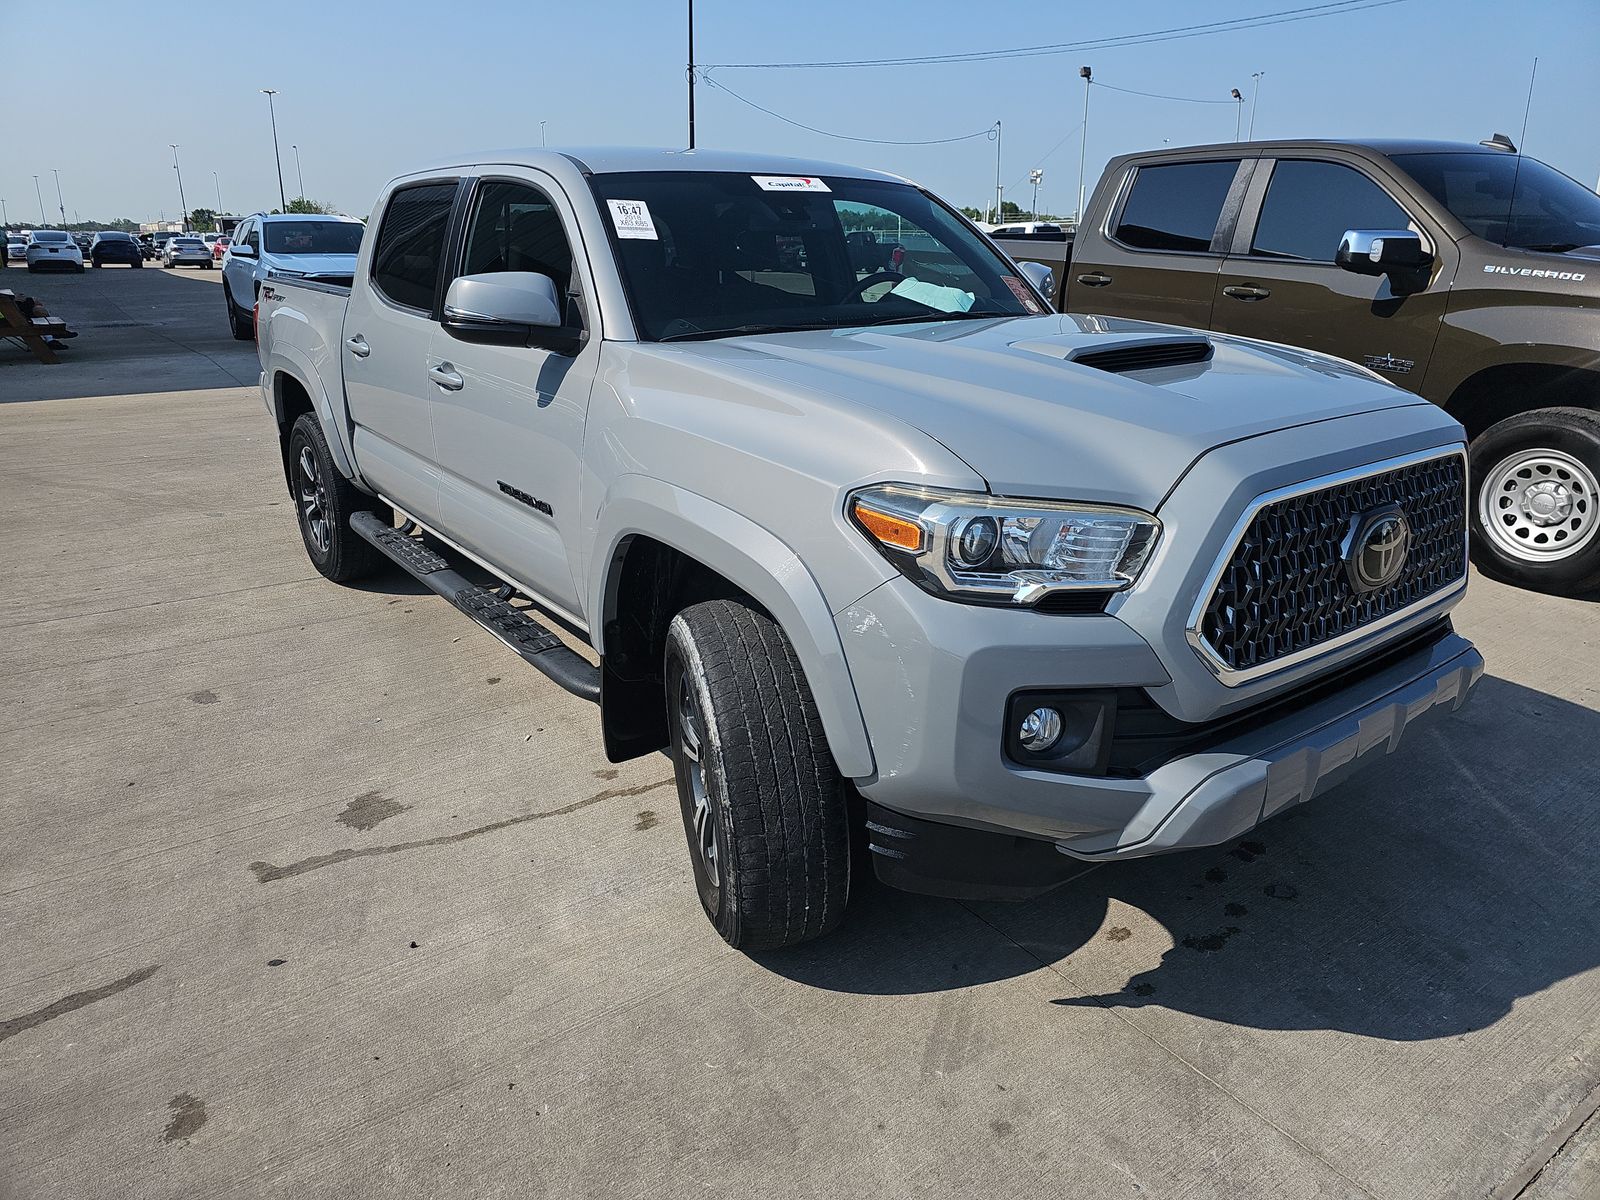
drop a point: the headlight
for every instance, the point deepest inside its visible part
(1000, 550)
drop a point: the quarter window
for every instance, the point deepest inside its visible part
(410, 249)
(1310, 205)
(1175, 206)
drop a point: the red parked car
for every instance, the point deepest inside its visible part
(219, 245)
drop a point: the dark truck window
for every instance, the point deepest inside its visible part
(515, 227)
(1309, 206)
(1511, 201)
(1175, 206)
(406, 260)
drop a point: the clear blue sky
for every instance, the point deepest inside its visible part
(368, 90)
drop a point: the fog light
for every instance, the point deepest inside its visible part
(1039, 730)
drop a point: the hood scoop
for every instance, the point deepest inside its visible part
(1127, 354)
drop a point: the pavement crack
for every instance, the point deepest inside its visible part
(266, 872)
(1549, 1149)
(16, 1025)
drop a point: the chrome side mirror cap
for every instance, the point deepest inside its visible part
(1382, 251)
(509, 308)
(1042, 278)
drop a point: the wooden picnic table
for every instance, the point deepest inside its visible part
(33, 332)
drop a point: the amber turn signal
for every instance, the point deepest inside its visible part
(895, 532)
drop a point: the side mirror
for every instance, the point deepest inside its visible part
(242, 250)
(1382, 252)
(508, 308)
(1043, 278)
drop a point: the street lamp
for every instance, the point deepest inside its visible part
(218, 184)
(1238, 112)
(269, 93)
(1034, 176)
(5, 220)
(44, 217)
(60, 203)
(183, 205)
(297, 172)
(1255, 99)
(542, 142)
(1083, 144)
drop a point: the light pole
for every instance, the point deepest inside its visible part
(1034, 176)
(60, 203)
(542, 142)
(1083, 144)
(1255, 99)
(999, 190)
(269, 93)
(1238, 113)
(217, 183)
(691, 74)
(183, 205)
(298, 174)
(44, 217)
(5, 220)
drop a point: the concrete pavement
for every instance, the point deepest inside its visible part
(310, 890)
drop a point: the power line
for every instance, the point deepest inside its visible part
(1158, 95)
(705, 77)
(1233, 25)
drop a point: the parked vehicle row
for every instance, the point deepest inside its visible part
(1037, 588)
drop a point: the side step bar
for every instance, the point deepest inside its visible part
(540, 648)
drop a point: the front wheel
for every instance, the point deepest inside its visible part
(1536, 516)
(323, 501)
(764, 808)
(244, 328)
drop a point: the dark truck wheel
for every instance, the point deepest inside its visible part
(244, 328)
(323, 502)
(764, 807)
(1536, 517)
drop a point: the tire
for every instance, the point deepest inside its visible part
(244, 329)
(97, 264)
(765, 810)
(1536, 502)
(138, 262)
(208, 266)
(323, 502)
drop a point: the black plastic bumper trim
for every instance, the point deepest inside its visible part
(934, 859)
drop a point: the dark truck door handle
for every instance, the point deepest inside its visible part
(447, 377)
(357, 345)
(1246, 293)
(1094, 280)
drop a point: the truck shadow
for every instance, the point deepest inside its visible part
(1421, 900)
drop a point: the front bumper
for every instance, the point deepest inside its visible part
(952, 815)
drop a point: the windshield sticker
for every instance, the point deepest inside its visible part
(789, 183)
(1021, 292)
(1533, 272)
(631, 219)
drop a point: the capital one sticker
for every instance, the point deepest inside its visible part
(789, 183)
(631, 219)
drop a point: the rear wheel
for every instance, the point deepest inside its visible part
(323, 501)
(1536, 516)
(244, 327)
(765, 810)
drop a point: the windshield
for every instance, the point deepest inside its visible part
(708, 253)
(313, 237)
(1510, 200)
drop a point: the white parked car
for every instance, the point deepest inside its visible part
(319, 248)
(53, 248)
(186, 249)
(16, 247)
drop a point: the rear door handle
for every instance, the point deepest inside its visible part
(1094, 280)
(358, 346)
(1246, 293)
(447, 377)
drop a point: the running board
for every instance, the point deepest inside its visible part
(540, 648)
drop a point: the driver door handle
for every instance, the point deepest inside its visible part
(1239, 292)
(357, 345)
(447, 377)
(1095, 279)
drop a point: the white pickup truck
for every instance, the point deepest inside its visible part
(878, 547)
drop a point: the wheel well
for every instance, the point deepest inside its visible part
(293, 399)
(648, 584)
(1496, 393)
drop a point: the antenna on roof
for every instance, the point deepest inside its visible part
(1499, 142)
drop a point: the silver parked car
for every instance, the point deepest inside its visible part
(186, 250)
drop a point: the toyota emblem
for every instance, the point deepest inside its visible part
(1375, 550)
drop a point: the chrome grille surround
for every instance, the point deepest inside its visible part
(1290, 614)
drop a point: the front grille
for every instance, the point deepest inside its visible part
(1285, 588)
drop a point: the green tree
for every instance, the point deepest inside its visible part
(203, 220)
(1008, 209)
(973, 214)
(300, 204)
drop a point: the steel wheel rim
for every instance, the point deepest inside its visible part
(313, 501)
(1539, 505)
(692, 746)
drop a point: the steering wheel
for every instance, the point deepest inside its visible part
(875, 278)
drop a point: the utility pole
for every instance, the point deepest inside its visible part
(1238, 113)
(183, 215)
(219, 194)
(1255, 101)
(1083, 145)
(999, 191)
(61, 205)
(5, 220)
(691, 74)
(44, 217)
(283, 200)
(298, 174)
(1034, 176)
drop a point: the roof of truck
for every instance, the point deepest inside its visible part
(1385, 146)
(611, 160)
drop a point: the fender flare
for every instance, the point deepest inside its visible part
(291, 361)
(753, 559)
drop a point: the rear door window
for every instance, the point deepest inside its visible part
(409, 253)
(1310, 205)
(1175, 206)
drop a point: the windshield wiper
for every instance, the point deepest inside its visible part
(938, 316)
(697, 335)
(1552, 247)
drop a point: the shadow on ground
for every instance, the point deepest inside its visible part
(1421, 900)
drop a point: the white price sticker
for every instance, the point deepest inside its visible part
(631, 218)
(789, 183)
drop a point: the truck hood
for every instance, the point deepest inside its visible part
(312, 265)
(1007, 398)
